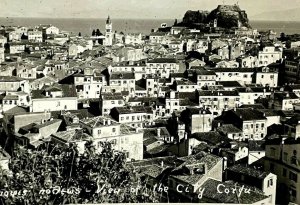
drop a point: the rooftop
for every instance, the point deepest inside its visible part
(163, 60)
(248, 171)
(99, 121)
(72, 135)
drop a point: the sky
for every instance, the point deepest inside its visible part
(135, 9)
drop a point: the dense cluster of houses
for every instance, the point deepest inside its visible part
(191, 110)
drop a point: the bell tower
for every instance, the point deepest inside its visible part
(108, 32)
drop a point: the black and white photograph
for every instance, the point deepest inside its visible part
(149, 101)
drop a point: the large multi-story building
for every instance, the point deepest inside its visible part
(282, 158)
(269, 55)
(123, 138)
(163, 67)
(252, 122)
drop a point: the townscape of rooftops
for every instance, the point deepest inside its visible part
(205, 101)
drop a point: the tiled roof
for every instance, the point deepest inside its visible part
(159, 149)
(128, 110)
(229, 83)
(209, 160)
(177, 75)
(248, 171)
(233, 70)
(67, 91)
(255, 106)
(72, 135)
(268, 112)
(163, 60)
(294, 120)
(218, 93)
(229, 128)
(284, 96)
(112, 96)
(167, 161)
(247, 114)
(126, 76)
(212, 138)
(256, 145)
(200, 71)
(10, 79)
(98, 121)
(158, 34)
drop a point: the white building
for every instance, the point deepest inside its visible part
(35, 36)
(265, 77)
(54, 98)
(121, 137)
(269, 55)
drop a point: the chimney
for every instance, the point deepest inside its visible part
(205, 169)
(224, 163)
(158, 132)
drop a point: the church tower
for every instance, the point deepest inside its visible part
(215, 23)
(108, 32)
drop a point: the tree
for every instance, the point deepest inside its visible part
(98, 33)
(79, 34)
(24, 37)
(175, 23)
(57, 174)
(94, 32)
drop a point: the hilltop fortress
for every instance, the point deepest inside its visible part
(224, 16)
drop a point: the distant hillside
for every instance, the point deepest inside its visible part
(285, 15)
(227, 16)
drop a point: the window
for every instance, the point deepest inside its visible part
(294, 160)
(293, 176)
(284, 172)
(113, 129)
(285, 155)
(272, 149)
(262, 76)
(270, 182)
(99, 132)
(293, 192)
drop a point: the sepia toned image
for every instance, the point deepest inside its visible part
(149, 101)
